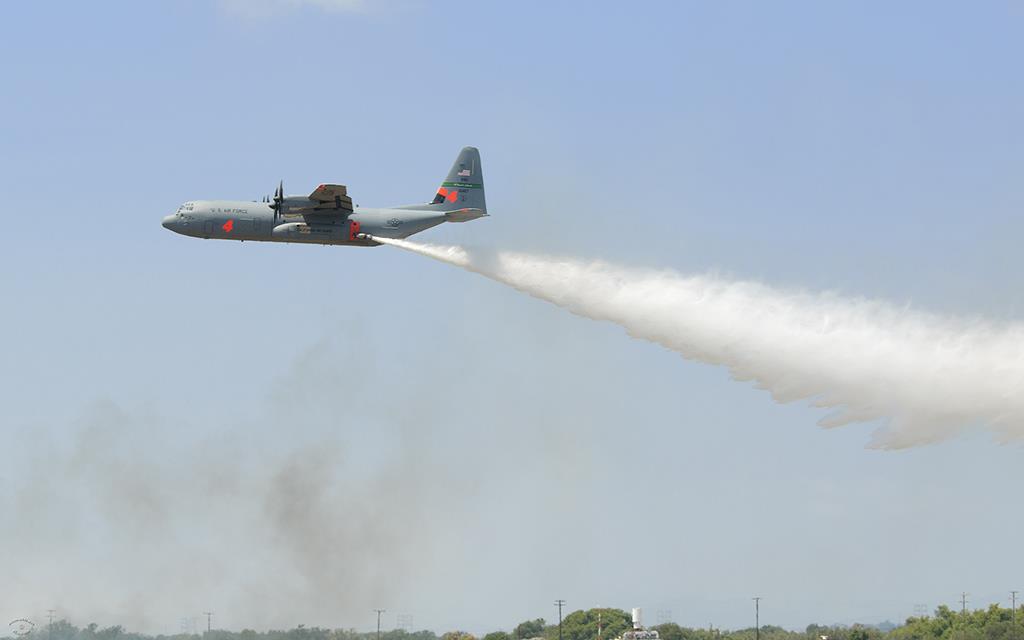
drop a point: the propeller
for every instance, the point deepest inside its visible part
(278, 200)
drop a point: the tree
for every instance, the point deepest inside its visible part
(529, 629)
(672, 631)
(582, 625)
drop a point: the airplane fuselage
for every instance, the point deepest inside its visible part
(328, 215)
(258, 221)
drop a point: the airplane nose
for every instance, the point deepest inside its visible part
(168, 222)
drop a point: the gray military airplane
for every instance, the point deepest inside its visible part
(327, 216)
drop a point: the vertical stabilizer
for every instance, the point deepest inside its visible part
(464, 186)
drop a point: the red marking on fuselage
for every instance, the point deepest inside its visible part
(228, 226)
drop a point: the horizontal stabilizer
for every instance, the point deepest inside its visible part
(464, 215)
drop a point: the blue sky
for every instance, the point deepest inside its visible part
(521, 454)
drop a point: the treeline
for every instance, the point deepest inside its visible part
(64, 630)
(994, 623)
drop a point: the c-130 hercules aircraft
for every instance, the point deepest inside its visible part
(326, 216)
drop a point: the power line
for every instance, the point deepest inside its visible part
(559, 604)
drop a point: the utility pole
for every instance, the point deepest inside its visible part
(209, 617)
(757, 618)
(599, 626)
(379, 611)
(963, 614)
(1013, 612)
(49, 627)
(560, 604)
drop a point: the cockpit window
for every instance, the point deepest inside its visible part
(184, 212)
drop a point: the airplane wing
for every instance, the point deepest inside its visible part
(331, 196)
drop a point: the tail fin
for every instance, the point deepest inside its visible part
(464, 186)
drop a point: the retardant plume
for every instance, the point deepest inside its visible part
(926, 377)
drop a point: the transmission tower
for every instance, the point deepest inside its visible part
(404, 621)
